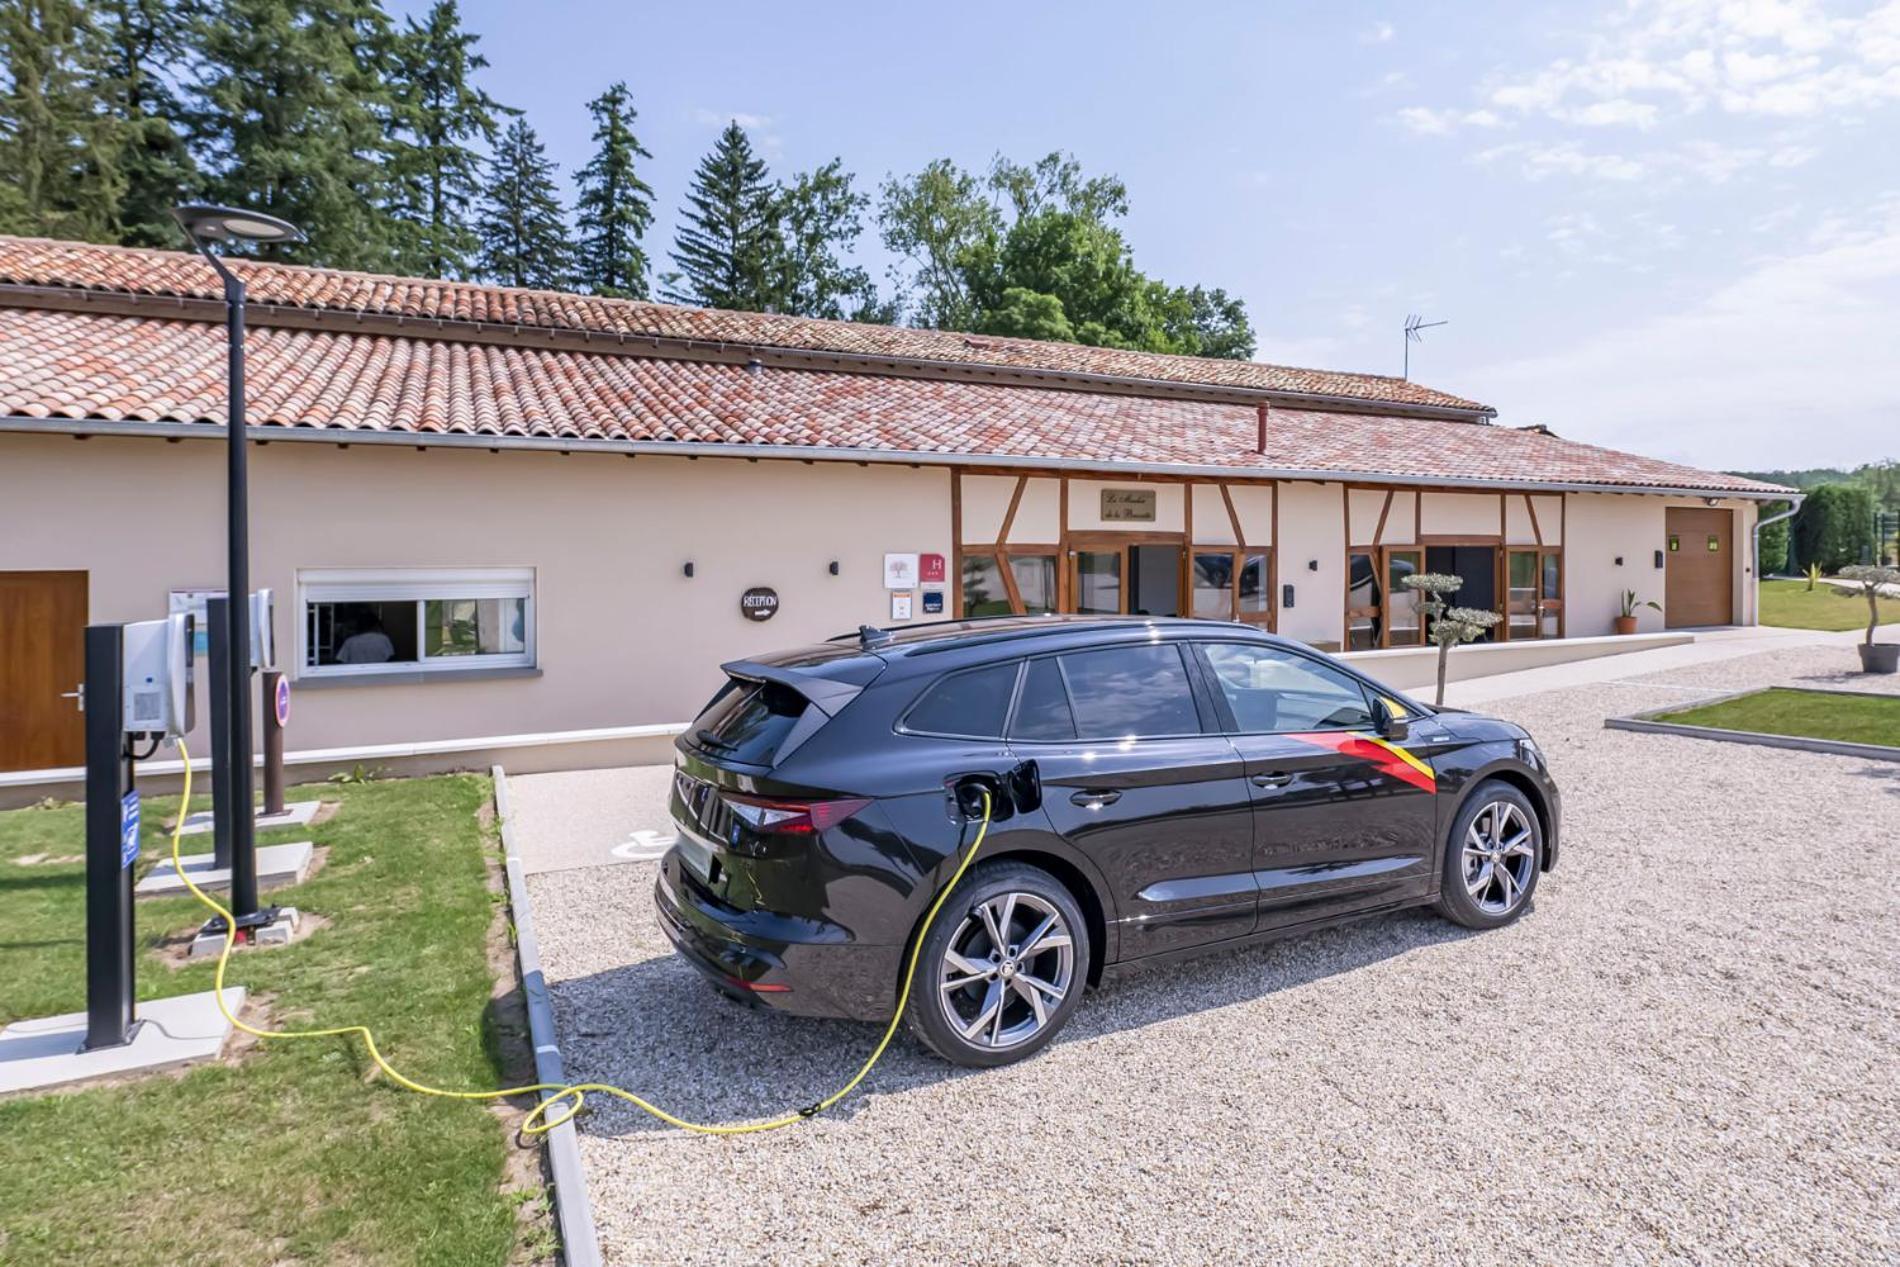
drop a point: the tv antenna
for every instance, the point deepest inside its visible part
(1413, 324)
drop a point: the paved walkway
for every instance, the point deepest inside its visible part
(1710, 647)
(591, 818)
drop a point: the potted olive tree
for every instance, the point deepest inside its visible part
(1447, 626)
(1875, 657)
(1626, 623)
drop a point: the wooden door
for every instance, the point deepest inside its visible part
(42, 657)
(1698, 568)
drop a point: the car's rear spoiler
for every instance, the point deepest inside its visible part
(827, 695)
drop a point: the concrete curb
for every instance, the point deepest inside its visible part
(580, 1241)
(1645, 723)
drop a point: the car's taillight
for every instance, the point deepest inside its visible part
(792, 818)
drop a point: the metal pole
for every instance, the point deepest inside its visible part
(238, 647)
(273, 746)
(218, 649)
(110, 1019)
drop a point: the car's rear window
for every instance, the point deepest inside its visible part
(747, 721)
(1043, 711)
(973, 703)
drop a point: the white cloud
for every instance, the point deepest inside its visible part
(1791, 364)
(1782, 58)
(1565, 158)
(1378, 33)
(1428, 122)
(719, 119)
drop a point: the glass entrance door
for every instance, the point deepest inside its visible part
(1098, 581)
(1534, 594)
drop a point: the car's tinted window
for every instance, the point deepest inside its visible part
(1270, 689)
(972, 703)
(748, 724)
(1121, 692)
(1042, 712)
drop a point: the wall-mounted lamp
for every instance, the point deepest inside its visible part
(688, 569)
(1286, 596)
(1659, 558)
(1711, 501)
(1312, 565)
(833, 569)
(1619, 560)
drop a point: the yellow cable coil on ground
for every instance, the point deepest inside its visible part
(537, 1122)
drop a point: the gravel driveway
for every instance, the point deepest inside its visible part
(1685, 1053)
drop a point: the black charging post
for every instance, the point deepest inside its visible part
(112, 835)
(218, 649)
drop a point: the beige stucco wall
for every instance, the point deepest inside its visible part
(623, 637)
(1605, 526)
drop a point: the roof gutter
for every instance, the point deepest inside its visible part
(1796, 499)
(822, 453)
(620, 343)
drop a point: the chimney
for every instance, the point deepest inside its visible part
(1262, 447)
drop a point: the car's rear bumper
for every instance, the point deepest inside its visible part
(802, 966)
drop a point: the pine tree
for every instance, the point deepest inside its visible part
(524, 238)
(59, 172)
(728, 244)
(438, 110)
(144, 46)
(615, 206)
(294, 109)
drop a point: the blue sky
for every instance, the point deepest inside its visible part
(1664, 225)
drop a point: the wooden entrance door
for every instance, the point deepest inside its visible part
(42, 658)
(1699, 569)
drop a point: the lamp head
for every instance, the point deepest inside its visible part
(205, 223)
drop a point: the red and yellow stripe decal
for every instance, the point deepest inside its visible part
(1388, 757)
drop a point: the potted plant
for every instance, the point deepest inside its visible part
(1448, 626)
(1626, 623)
(1875, 657)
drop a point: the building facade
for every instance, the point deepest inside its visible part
(505, 516)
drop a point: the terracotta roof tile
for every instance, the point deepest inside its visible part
(81, 366)
(82, 266)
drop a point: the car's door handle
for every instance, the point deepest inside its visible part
(1095, 800)
(1276, 779)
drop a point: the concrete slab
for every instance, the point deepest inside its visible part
(277, 865)
(587, 818)
(279, 932)
(296, 814)
(39, 1055)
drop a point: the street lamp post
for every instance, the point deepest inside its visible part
(203, 225)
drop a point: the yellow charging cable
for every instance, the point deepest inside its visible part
(537, 1121)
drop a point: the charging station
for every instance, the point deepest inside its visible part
(138, 695)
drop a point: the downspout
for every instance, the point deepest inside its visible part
(1261, 447)
(1796, 499)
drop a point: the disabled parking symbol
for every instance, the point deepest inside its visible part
(643, 846)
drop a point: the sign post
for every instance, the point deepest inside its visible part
(112, 834)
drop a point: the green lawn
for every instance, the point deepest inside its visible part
(1807, 714)
(292, 1152)
(1791, 605)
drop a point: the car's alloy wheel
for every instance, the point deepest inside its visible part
(1499, 857)
(1006, 970)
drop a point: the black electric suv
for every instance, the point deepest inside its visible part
(1157, 788)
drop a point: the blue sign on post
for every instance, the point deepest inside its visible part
(129, 829)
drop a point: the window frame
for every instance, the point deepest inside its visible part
(903, 726)
(417, 586)
(1230, 725)
(1204, 713)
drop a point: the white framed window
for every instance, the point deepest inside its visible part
(369, 622)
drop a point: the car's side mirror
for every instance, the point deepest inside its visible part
(1390, 723)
